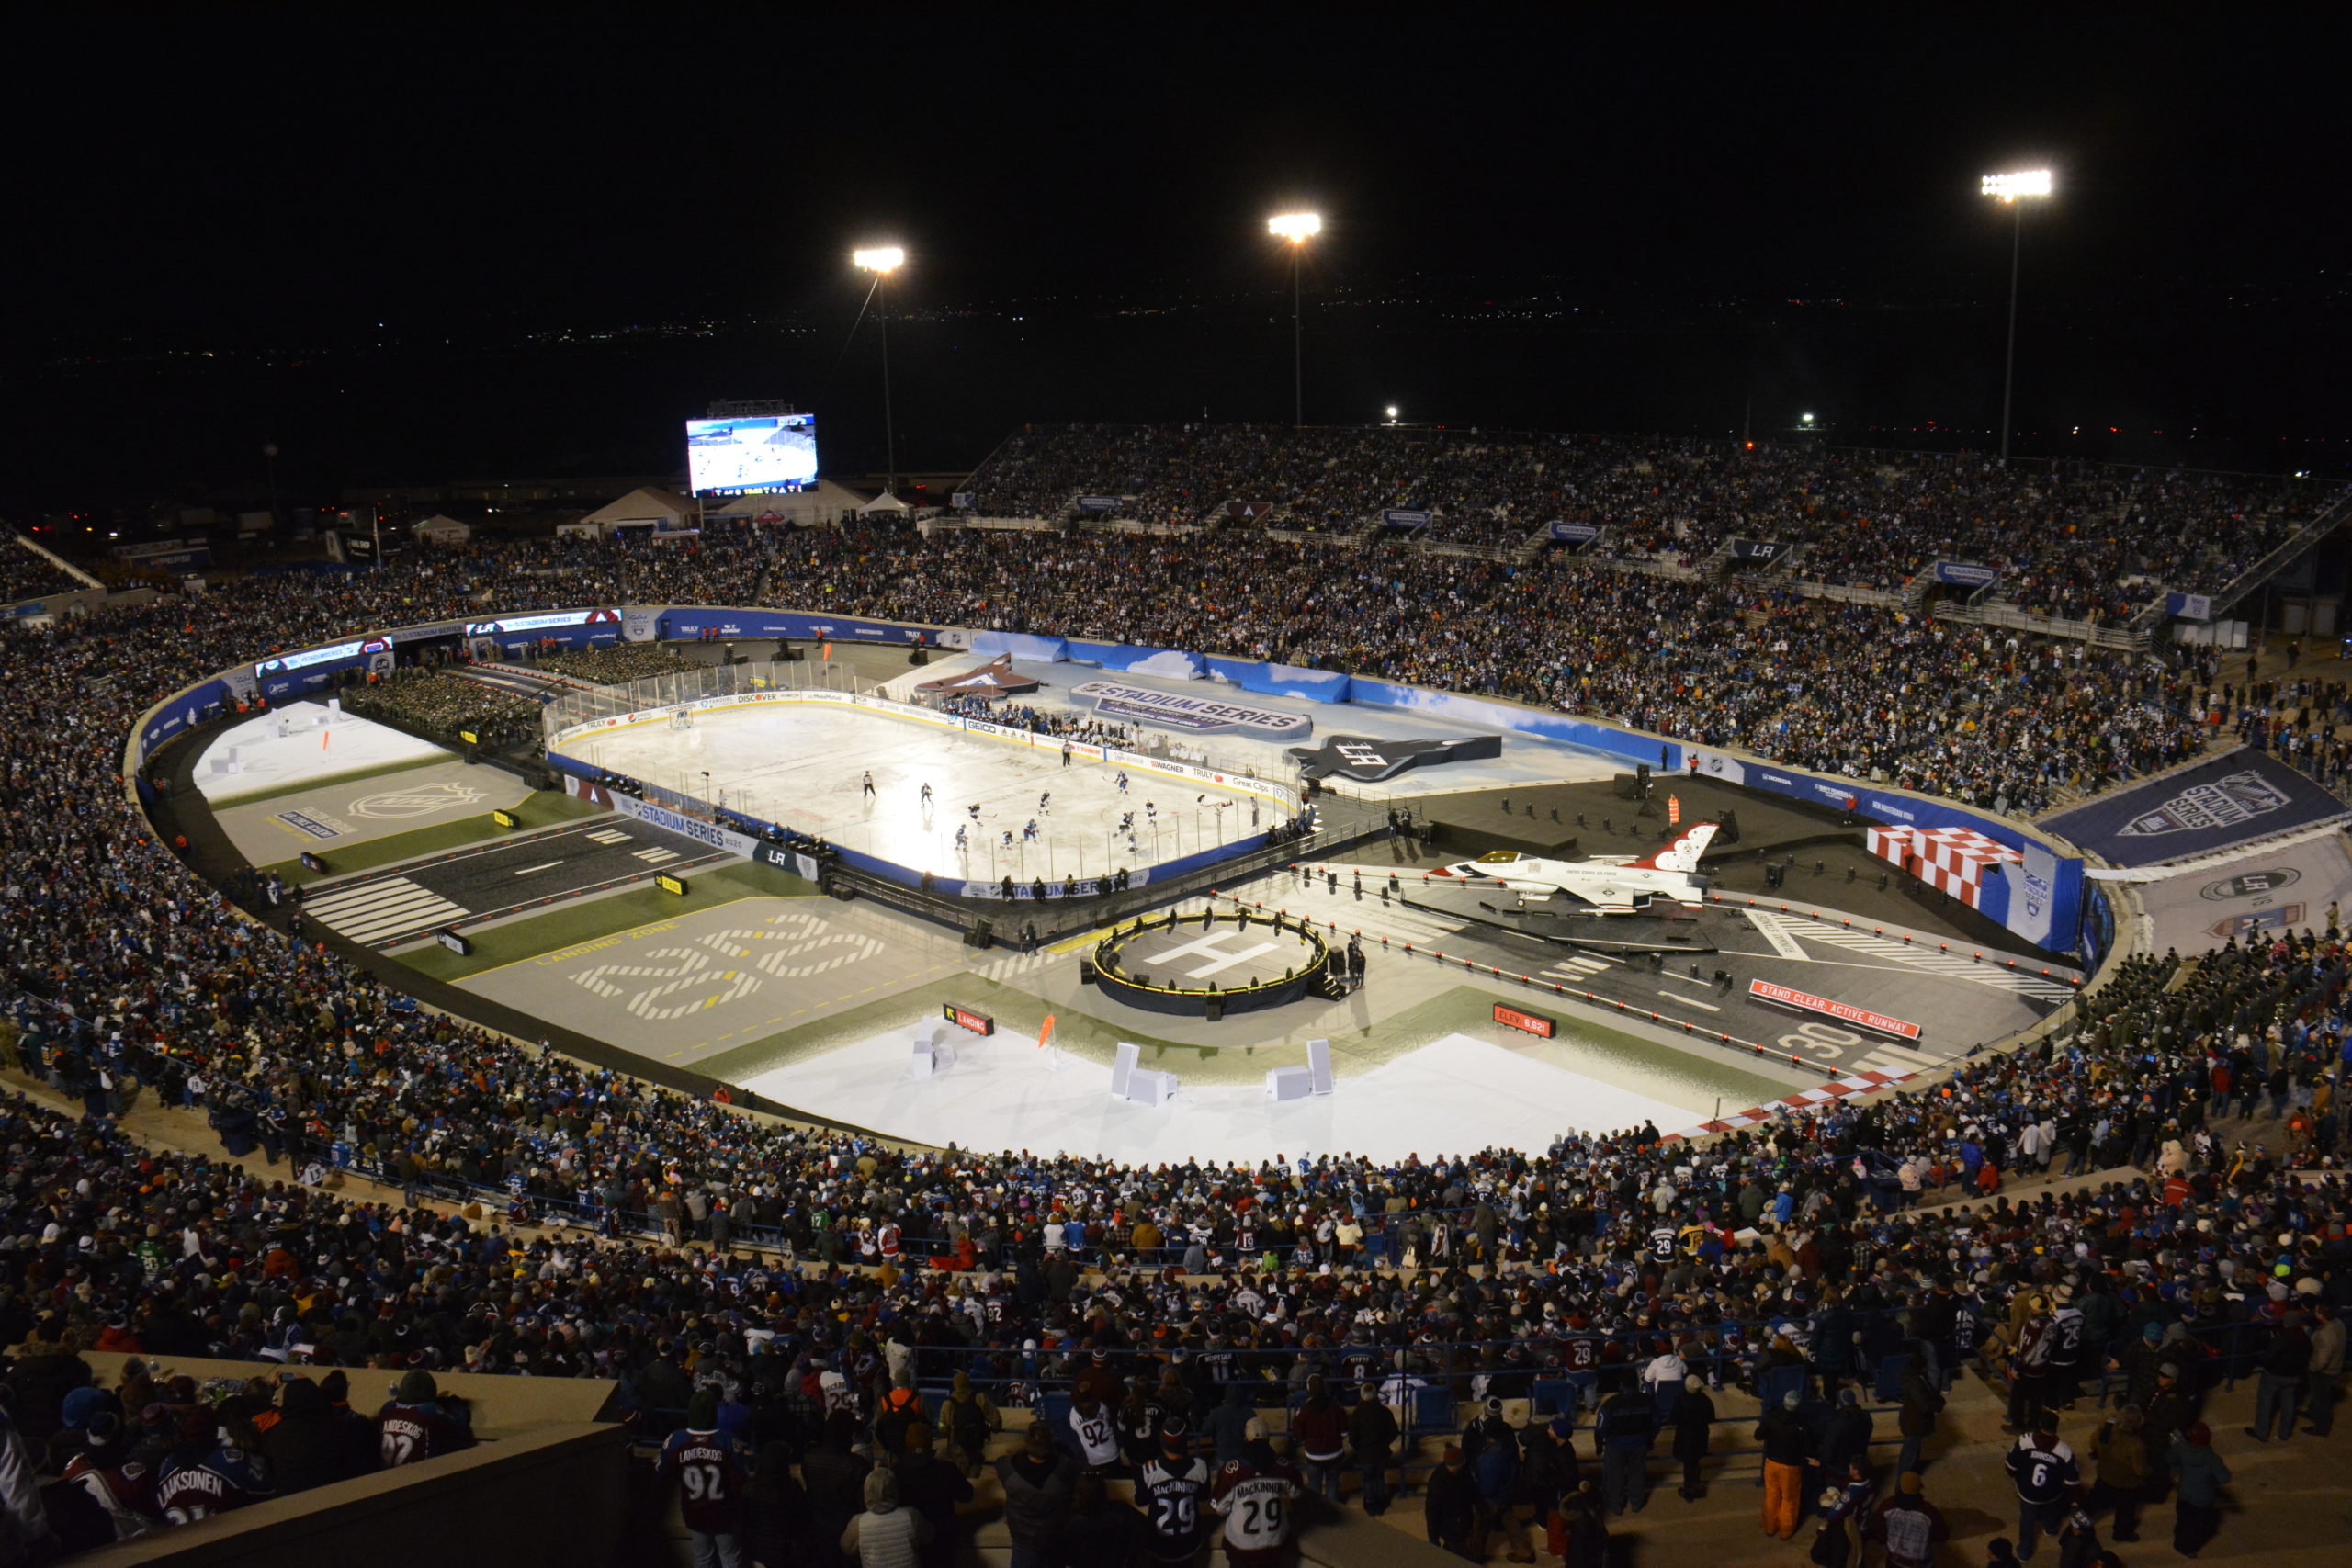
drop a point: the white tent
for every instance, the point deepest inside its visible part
(644, 507)
(826, 505)
(439, 530)
(886, 502)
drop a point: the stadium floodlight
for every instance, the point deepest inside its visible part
(1298, 228)
(1392, 413)
(882, 261)
(1805, 418)
(2025, 182)
(2008, 189)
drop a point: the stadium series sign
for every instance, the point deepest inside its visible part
(1200, 716)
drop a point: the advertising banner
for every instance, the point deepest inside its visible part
(1404, 517)
(1280, 680)
(1021, 645)
(2189, 606)
(1247, 511)
(1098, 504)
(685, 827)
(1193, 715)
(2238, 797)
(181, 713)
(1959, 574)
(641, 623)
(1758, 550)
(1575, 533)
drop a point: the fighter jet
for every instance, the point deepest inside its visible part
(1603, 885)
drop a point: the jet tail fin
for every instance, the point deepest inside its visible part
(1682, 854)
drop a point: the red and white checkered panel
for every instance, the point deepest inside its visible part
(1950, 859)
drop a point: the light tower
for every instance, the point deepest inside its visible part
(882, 261)
(1298, 228)
(2014, 190)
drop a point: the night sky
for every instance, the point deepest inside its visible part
(1678, 227)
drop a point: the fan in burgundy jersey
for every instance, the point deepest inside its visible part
(416, 1424)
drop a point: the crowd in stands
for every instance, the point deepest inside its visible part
(1613, 1264)
(447, 706)
(2077, 541)
(122, 975)
(24, 575)
(1844, 688)
(616, 664)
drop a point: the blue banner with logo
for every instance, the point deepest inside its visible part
(1960, 574)
(1758, 550)
(2241, 796)
(1404, 517)
(182, 713)
(2189, 606)
(1098, 504)
(1575, 533)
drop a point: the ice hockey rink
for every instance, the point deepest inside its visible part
(1526, 759)
(804, 765)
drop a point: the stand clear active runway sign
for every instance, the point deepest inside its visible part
(1844, 1012)
(1197, 716)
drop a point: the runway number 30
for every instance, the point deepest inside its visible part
(1821, 1039)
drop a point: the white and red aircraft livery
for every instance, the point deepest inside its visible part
(1602, 885)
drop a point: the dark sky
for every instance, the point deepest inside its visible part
(228, 176)
(226, 170)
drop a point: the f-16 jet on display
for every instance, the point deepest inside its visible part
(1603, 885)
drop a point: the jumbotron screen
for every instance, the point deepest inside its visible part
(762, 453)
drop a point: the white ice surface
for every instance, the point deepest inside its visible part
(268, 762)
(802, 764)
(1526, 759)
(1455, 1095)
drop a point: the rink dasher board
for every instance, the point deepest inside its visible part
(1280, 796)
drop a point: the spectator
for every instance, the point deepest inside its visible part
(885, 1535)
(1693, 1419)
(2199, 1476)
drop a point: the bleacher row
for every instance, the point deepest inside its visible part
(2075, 541)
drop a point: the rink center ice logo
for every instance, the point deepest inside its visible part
(418, 800)
(1200, 715)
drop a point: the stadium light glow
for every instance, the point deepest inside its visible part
(2025, 182)
(885, 258)
(1392, 410)
(1807, 418)
(1296, 227)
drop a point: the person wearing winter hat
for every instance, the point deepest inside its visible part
(418, 1424)
(2199, 1476)
(1693, 1418)
(1788, 1442)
